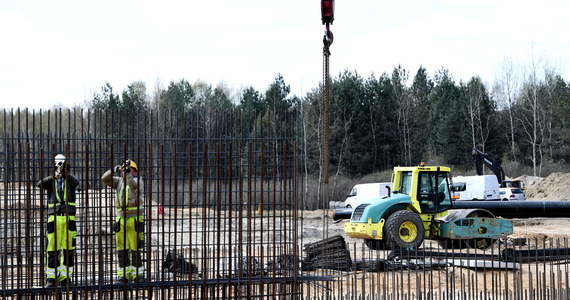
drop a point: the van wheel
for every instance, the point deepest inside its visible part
(348, 206)
(404, 229)
(505, 199)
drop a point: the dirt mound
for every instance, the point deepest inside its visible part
(529, 180)
(554, 187)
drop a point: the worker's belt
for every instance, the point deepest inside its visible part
(131, 208)
(63, 214)
(62, 210)
(60, 204)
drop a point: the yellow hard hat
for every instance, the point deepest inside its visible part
(133, 165)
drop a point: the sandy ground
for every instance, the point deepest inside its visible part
(317, 225)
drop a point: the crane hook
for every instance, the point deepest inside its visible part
(328, 37)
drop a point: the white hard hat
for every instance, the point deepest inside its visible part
(59, 160)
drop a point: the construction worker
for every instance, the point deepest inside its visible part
(61, 226)
(129, 220)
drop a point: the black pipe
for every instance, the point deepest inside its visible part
(534, 255)
(342, 213)
(449, 254)
(520, 209)
(505, 209)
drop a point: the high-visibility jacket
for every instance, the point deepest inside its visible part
(128, 201)
(60, 194)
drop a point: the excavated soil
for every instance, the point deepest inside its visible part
(555, 186)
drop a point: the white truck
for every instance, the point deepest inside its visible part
(476, 188)
(361, 193)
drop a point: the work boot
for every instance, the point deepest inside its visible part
(139, 279)
(121, 280)
(50, 282)
(65, 282)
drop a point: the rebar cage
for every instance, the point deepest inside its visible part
(223, 219)
(220, 215)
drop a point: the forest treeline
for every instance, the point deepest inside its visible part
(377, 122)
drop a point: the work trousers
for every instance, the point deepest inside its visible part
(61, 233)
(129, 235)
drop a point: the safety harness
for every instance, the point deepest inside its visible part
(124, 201)
(56, 206)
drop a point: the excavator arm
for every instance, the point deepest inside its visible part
(480, 158)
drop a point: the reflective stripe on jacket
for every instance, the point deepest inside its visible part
(133, 205)
(60, 201)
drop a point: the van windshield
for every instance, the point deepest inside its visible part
(459, 186)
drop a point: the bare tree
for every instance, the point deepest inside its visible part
(507, 88)
(479, 113)
(312, 131)
(404, 101)
(345, 125)
(551, 82)
(535, 117)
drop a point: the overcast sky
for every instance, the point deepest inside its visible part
(61, 52)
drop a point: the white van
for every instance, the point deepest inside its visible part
(480, 187)
(361, 193)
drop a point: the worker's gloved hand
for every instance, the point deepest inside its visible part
(117, 169)
(127, 166)
(58, 172)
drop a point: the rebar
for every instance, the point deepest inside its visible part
(228, 212)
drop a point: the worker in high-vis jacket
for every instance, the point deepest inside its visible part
(61, 227)
(129, 220)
